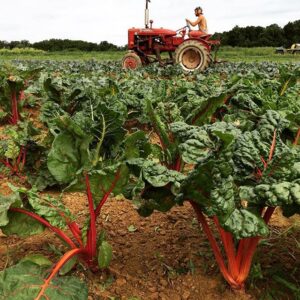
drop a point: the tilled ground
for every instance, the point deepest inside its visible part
(165, 256)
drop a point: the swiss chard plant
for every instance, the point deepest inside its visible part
(78, 161)
(13, 83)
(13, 147)
(233, 174)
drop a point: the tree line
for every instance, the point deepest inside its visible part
(62, 45)
(257, 36)
(250, 36)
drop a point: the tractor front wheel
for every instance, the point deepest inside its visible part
(191, 55)
(131, 61)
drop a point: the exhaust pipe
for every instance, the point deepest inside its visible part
(147, 14)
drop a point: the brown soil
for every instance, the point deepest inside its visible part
(167, 257)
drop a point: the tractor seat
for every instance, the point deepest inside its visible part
(199, 34)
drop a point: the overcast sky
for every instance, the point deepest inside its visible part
(98, 20)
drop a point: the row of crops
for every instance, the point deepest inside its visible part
(226, 141)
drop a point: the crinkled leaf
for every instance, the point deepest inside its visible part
(156, 174)
(160, 199)
(279, 194)
(222, 198)
(52, 209)
(195, 143)
(244, 224)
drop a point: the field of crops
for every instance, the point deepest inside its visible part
(226, 53)
(149, 184)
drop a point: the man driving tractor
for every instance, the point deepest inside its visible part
(201, 22)
(191, 49)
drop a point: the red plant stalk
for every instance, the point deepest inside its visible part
(243, 246)
(229, 247)
(14, 104)
(18, 165)
(7, 164)
(250, 247)
(216, 250)
(76, 232)
(69, 255)
(106, 195)
(58, 231)
(239, 264)
(177, 165)
(91, 245)
(71, 225)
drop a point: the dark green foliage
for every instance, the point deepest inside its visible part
(257, 36)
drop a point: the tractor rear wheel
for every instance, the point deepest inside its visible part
(131, 61)
(192, 55)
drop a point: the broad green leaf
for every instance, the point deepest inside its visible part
(5, 203)
(104, 255)
(46, 206)
(222, 198)
(22, 225)
(24, 281)
(37, 259)
(137, 145)
(208, 108)
(64, 158)
(52, 209)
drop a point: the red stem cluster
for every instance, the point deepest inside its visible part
(239, 259)
(15, 116)
(16, 167)
(89, 251)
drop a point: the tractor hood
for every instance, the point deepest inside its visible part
(152, 31)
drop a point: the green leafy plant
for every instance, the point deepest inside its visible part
(13, 82)
(238, 179)
(75, 162)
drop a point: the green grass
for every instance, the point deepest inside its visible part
(64, 55)
(225, 53)
(255, 54)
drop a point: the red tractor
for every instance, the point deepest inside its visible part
(146, 45)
